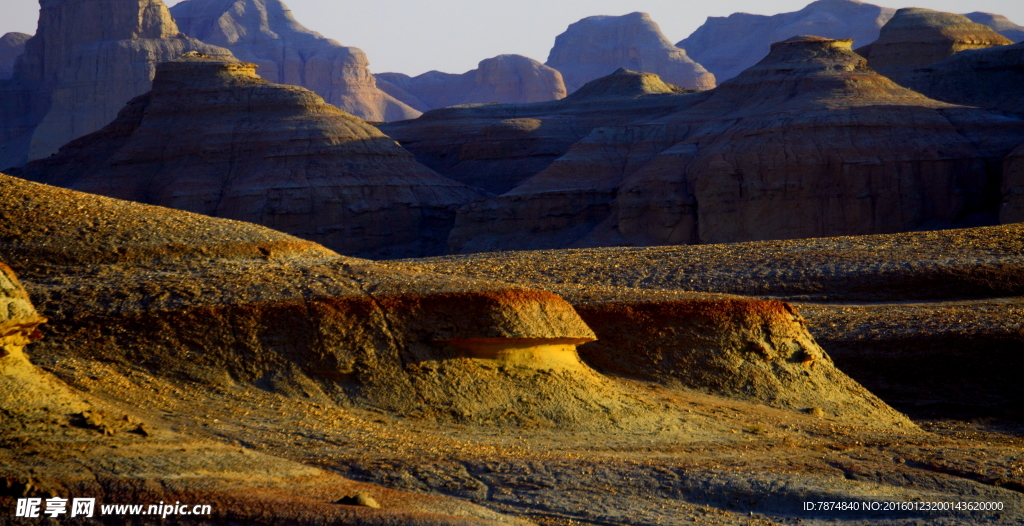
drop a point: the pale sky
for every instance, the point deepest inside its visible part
(414, 36)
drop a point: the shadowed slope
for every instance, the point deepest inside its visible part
(810, 142)
(991, 78)
(496, 146)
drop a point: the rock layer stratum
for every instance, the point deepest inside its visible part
(214, 138)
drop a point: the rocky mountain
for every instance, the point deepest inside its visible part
(496, 146)
(597, 46)
(509, 79)
(12, 45)
(991, 78)
(810, 142)
(86, 60)
(727, 46)
(214, 138)
(916, 37)
(1000, 23)
(265, 33)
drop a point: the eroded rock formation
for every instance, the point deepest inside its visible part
(1000, 23)
(991, 78)
(25, 391)
(598, 45)
(495, 147)
(41, 410)
(87, 59)
(278, 311)
(728, 45)
(265, 33)
(791, 148)
(728, 346)
(214, 138)
(12, 45)
(507, 79)
(916, 37)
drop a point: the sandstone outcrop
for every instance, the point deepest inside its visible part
(496, 146)
(24, 390)
(214, 138)
(265, 33)
(12, 45)
(726, 46)
(791, 148)
(729, 346)
(505, 79)
(989, 78)
(915, 37)
(86, 60)
(884, 307)
(598, 45)
(1000, 23)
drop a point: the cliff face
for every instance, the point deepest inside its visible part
(265, 33)
(597, 46)
(916, 37)
(12, 45)
(509, 79)
(1000, 23)
(87, 59)
(496, 146)
(808, 143)
(728, 45)
(214, 138)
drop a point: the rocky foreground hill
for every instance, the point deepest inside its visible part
(212, 137)
(177, 344)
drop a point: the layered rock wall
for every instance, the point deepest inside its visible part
(87, 59)
(214, 138)
(791, 148)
